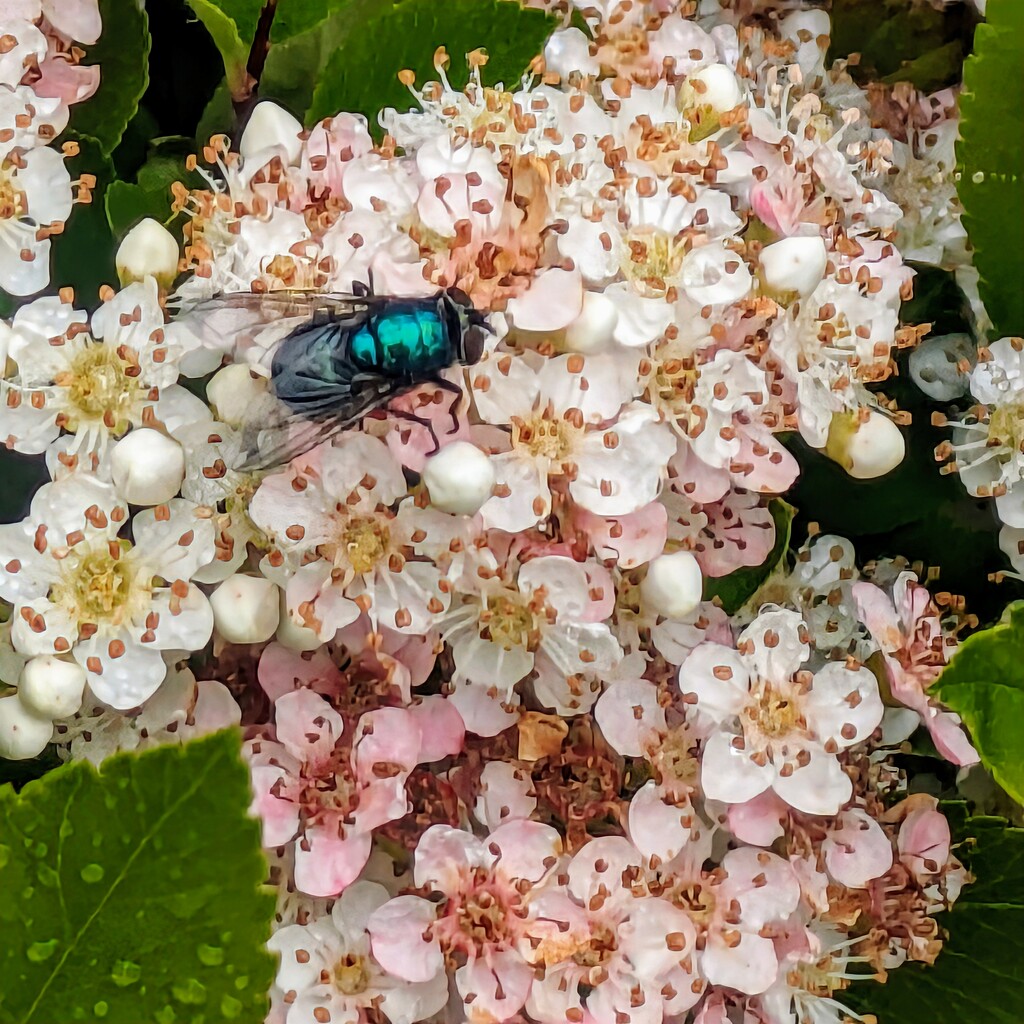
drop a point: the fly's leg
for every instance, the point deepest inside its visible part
(452, 389)
(411, 417)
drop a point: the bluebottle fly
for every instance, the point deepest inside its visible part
(348, 355)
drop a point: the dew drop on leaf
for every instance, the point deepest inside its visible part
(230, 1007)
(47, 876)
(100, 1009)
(166, 1015)
(212, 956)
(192, 991)
(92, 872)
(125, 973)
(40, 951)
(242, 982)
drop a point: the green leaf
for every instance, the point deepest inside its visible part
(740, 585)
(83, 256)
(291, 18)
(133, 893)
(362, 76)
(151, 195)
(899, 41)
(984, 684)
(293, 67)
(224, 32)
(991, 157)
(979, 975)
(122, 53)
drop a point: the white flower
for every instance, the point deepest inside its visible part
(35, 193)
(78, 589)
(270, 132)
(180, 710)
(543, 619)
(774, 725)
(566, 421)
(93, 385)
(328, 971)
(340, 550)
(211, 482)
(988, 443)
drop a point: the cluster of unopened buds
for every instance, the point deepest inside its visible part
(511, 763)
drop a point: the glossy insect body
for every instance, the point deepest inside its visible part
(343, 362)
(352, 355)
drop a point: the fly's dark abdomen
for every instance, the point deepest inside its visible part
(310, 372)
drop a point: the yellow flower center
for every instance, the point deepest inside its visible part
(510, 622)
(772, 711)
(675, 758)
(97, 587)
(100, 387)
(12, 199)
(365, 541)
(544, 436)
(350, 975)
(1006, 427)
(652, 260)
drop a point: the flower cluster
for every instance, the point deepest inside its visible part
(987, 446)
(41, 76)
(511, 759)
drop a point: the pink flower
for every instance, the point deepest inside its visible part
(907, 629)
(740, 907)
(334, 789)
(924, 838)
(479, 921)
(635, 721)
(857, 849)
(770, 724)
(327, 971)
(609, 941)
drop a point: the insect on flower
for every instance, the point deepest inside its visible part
(348, 355)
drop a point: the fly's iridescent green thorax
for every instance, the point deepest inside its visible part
(404, 338)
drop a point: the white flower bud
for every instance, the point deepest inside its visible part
(594, 329)
(460, 478)
(794, 264)
(23, 734)
(673, 585)
(147, 466)
(246, 609)
(270, 127)
(715, 86)
(232, 392)
(148, 250)
(292, 634)
(867, 448)
(51, 687)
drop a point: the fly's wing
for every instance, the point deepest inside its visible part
(313, 393)
(238, 321)
(273, 434)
